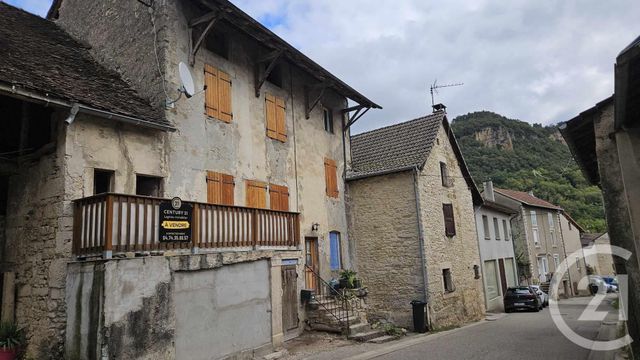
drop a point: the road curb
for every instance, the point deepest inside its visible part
(608, 331)
(418, 339)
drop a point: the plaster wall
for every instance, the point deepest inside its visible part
(384, 230)
(572, 244)
(458, 253)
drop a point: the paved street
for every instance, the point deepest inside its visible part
(523, 335)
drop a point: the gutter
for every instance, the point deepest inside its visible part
(76, 108)
(423, 258)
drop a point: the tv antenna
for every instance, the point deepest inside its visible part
(435, 86)
(187, 86)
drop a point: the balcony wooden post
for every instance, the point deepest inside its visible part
(195, 233)
(77, 227)
(108, 231)
(254, 228)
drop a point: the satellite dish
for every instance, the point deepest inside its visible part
(188, 88)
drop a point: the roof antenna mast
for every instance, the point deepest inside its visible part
(434, 88)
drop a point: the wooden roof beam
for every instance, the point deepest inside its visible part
(194, 45)
(309, 106)
(357, 115)
(260, 76)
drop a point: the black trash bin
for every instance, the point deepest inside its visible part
(419, 319)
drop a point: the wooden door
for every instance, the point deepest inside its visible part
(311, 260)
(503, 276)
(289, 297)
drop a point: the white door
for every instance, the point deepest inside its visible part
(543, 269)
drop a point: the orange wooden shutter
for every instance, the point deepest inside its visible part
(224, 93)
(270, 106)
(220, 188)
(226, 193)
(281, 123)
(279, 197)
(256, 194)
(331, 177)
(211, 103)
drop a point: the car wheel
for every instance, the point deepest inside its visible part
(536, 309)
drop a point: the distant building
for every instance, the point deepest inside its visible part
(602, 264)
(411, 208)
(499, 268)
(571, 233)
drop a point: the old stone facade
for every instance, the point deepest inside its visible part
(126, 37)
(408, 253)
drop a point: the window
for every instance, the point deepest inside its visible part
(491, 278)
(220, 188)
(331, 177)
(554, 241)
(217, 102)
(578, 263)
(447, 281)
(485, 223)
(536, 240)
(256, 194)
(218, 43)
(328, 120)
(556, 261)
(449, 221)
(102, 181)
(569, 225)
(534, 218)
(148, 185)
(275, 117)
(444, 175)
(507, 236)
(550, 219)
(334, 250)
(275, 76)
(279, 197)
(496, 228)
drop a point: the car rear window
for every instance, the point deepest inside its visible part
(519, 291)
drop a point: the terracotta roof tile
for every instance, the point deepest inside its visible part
(527, 198)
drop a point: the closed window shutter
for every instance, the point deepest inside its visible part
(449, 222)
(272, 126)
(279, 197)
(218, 94)
(211, 103)
(331, 177)
(220, 188)
(256, 194)
(281, 119)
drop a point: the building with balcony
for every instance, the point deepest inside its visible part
(139, 222)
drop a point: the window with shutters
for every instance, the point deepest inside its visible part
(256, 194)
(507, 236)
(447, 181)
(485, 225)
(331, 177)
(217, 103)
(449, 221)
(220, 188)
(275, 117)
(278, 197)
(496, 228)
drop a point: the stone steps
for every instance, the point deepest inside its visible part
(382, 339)
(368, 335)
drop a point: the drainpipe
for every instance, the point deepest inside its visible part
(423, 257)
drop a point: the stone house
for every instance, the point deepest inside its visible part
(257, 157)
(604, 141)
(537, 236)
(411, 208)
(602, 264)
(571, 233)
(499, 267)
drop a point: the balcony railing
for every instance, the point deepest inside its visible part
(117, 223)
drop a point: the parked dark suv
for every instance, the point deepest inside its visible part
(521, 297)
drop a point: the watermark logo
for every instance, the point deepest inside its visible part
(591, 312)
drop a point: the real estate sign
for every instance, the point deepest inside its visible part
(175, 221)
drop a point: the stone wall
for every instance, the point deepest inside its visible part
(458, 253)
(207, 306)
(384, 232)
(38, 244)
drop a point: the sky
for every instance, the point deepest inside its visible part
(537, 61)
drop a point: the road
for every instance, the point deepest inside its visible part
(514, 336)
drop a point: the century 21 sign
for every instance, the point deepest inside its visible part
(175, 221)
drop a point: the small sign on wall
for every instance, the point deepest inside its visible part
(175, 221)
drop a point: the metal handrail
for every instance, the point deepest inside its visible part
(341, 314)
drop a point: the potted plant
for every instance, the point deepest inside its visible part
(347, 279)
(12, 339)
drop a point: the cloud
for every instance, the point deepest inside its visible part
(38, 7)
(540, 62)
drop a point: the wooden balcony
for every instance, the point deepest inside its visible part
(107, 224)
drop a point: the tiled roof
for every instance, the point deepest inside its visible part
(527, 198)
(38, 56)
(394, 147)
(586, 239)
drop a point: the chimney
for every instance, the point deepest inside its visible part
(531, 193)
(488, 191)
(439, 108)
